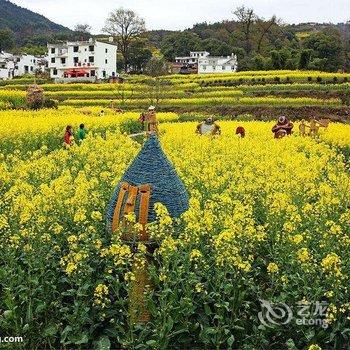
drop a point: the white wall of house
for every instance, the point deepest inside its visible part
(25, 64)
(4, 74)
(192, 58)
(6, 66)
(17, 65)
(217, 64)
(199, 54)
(97, 59)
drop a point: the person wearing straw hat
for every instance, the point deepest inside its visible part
(283, 127)
(151, 123)
(208, 127)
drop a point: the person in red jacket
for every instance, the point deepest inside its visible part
(240, 131)
(68, 137)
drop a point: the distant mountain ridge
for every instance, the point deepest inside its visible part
(24, 22)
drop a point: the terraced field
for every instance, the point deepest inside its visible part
(264, 94)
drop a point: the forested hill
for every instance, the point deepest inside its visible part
(25, 23)
(262, 44)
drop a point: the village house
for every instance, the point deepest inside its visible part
(7, 66)
(17, 65)
(25, 64)
(82, 60)
(211, 64)
(192, 58)
(201, 62)
(188, 64)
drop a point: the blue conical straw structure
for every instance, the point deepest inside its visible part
(151, 166)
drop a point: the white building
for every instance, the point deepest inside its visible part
(211, 64)
(25, 64)
(7, 66)
(82, 60)
(192, 58)
(17, 65)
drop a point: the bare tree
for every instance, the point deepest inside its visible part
(126, 26)
(246, 17)
(83, 28)
(264, 28)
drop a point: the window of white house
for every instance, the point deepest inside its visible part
(63, 60)
(91, 48)
(75, 48)
(223, 67)
(106, 61)
(54, 72)
(76, 59)
(106, 50)
(53, 60)
(31, 68)
(91, 59)
(53, 50)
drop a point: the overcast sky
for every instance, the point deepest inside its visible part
(181, 14)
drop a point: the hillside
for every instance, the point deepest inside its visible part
(25, 23)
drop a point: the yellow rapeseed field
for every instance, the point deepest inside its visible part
(268, 219)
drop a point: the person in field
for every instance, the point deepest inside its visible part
(283, 127)
(150, 121)
(68, 137)
(240, 131)
(208, 127)
(81, 134)
(142, 120)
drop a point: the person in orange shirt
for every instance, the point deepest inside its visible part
(151, 123)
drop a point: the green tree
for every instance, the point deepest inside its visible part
(279, 58)
(304, 58)
(216, 47)
(126, 26)
(259, 62)
(327, 46)
(7, 39)
(139, 55)
(180, 44)
(156, 67)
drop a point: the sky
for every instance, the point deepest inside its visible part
(182, 14)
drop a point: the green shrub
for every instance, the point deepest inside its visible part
(50, 103)
(131, 126)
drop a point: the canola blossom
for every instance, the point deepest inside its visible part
(266, 217)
